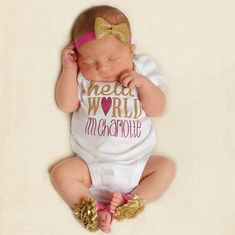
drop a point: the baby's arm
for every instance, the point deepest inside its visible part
(66, 88)
(151, 97)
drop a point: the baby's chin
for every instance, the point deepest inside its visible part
(112, 78)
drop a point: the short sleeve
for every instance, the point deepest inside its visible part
(147, 66)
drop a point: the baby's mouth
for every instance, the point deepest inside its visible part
(110, 77)
(106, 75)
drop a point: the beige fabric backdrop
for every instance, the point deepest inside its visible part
(192, 42)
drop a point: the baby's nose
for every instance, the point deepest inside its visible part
(103, 66)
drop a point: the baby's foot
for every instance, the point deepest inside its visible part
(117, 200)
(104, 218)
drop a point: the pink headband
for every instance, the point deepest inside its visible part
(103, 29)
(84, 39)
(87, 38)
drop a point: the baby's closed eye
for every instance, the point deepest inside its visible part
(89, 62)
(112, 58)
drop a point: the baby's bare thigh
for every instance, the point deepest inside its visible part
(157, 163)
(74, 168)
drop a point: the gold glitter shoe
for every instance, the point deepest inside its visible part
(87, 214)
(132, 207)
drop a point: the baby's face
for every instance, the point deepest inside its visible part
(104, 59)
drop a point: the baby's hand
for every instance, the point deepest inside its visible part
(69, 57)
(131, 79)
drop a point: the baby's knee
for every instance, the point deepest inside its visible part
(165, 164)
(57, 174)
(169, 165)
(70, 169)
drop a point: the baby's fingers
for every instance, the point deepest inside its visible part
(71, 45)
(125, 81)
(69, 52)
(68, 58)
(75, 57)
(124, 74)
(132, 84)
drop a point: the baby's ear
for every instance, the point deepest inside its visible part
(133, 47)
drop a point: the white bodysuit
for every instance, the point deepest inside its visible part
(112, 133)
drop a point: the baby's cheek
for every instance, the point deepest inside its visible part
(124, 67)
(89, 73)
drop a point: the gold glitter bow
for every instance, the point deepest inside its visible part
(104, 29)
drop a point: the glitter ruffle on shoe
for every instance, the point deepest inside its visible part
(87, 214)
(130, 209)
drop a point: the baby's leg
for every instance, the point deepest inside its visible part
(71, 178)
(156, 177)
